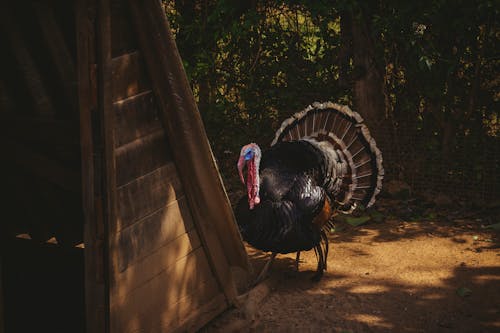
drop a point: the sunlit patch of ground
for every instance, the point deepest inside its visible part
(389, 277)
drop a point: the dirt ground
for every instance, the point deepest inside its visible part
(436, 275)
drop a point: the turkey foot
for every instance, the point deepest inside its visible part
(297, 260)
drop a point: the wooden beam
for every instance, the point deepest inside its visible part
(41, 166)
(47, 131)
(145, 195)
(32, 76)
(106, 118)
(136, 116)
(96, 309)
(141, 157)
(2, 317)
(129, 76)
(6, 102)
(59, 51)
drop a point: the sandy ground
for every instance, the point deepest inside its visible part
(391, 276)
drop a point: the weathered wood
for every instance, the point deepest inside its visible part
(196, 319)
(32, 77)
(247, 307)
(141, 156)
(63, 60)
(105, 108)
(46, 131)
(136, 117)
(2, 320)
(171, 295)
(129, 76)
(6, 102)
(249, 303)
(123, 39)
(95, 291)
(147, 194)
(209, 205)
(164, 259)
(41, 166)
(152, 232)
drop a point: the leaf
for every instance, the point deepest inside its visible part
(357, 221)
(431, 216)
(377, 216)
(464, 292)
(495, 226)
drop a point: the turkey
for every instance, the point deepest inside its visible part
(322, 159)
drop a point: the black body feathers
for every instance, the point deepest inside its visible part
(291, 196)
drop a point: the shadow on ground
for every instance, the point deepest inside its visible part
(396, 276)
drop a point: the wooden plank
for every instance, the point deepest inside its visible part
(129, 76)
(105, 109)
(40, 130)
(41, 166)
(195, 319)
(163, 259)
(141, 156)
(147, 194)
(152, 232)
(32, 77)
(63, 60)
(6, 102)
(95, 290)
(192, 307)
(2, 320)
(123, 39)
(165, 298)
(136, 117)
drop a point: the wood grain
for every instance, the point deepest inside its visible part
(163, 259)
(31, 75)
(170, 295)
(123, 39)
(147, 194)
(59, 51)
(141, 156)
(136, 117)
(42, 166)
(95, 291)
(129, 76)
(45, 131)
(152, 233)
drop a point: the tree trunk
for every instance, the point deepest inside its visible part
(367, 78)
(368, 81)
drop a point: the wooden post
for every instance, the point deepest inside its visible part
(2, 318)
(95, 288)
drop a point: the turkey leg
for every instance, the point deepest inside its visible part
(263, 273)
(297, 260)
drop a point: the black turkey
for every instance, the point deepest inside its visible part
(322, 159)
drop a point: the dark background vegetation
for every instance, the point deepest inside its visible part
(423, 74)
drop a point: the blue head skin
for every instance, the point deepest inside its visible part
(249, 154)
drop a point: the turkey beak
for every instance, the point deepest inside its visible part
(241, 165)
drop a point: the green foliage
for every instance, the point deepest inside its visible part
(252, 64)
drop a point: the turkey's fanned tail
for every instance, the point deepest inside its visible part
(346, 132)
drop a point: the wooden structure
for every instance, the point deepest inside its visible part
(108, 170)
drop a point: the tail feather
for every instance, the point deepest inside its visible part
(346, 132)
